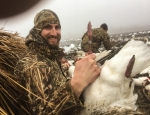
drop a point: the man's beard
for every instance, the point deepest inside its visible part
(53, 46)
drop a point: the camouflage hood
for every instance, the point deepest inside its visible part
(35, 41)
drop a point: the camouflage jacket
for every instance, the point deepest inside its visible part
(98, 36)
(48, 88)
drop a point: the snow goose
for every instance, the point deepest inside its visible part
(147, 70)
(147, 87)
(112, 92)
(146, 40)
(141, 81)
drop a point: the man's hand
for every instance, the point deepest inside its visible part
(86, 72)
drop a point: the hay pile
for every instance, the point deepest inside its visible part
(12, 48)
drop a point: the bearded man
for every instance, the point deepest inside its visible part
(48, 89)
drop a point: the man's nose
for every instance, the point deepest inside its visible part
(53, 32)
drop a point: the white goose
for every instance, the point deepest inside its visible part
(147, 87)
(147, 70)
(141, 81)
(147, 42)
(112, 92)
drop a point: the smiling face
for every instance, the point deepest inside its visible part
(52, 34)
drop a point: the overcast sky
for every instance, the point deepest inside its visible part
(119, 15)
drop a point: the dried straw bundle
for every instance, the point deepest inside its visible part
(12, 48)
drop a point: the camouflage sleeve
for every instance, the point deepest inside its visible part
(106, 42)
(84, 42)
(43, 96)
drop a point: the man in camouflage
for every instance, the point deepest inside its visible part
(48, 89)
(99, 35)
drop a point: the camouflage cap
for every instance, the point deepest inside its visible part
(45, 17)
